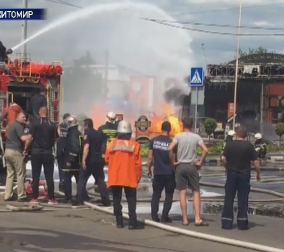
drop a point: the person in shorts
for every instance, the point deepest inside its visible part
(187, 167)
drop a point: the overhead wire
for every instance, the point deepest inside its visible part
(225, 26)
(226, 9)
(64, 3)
(212, 32)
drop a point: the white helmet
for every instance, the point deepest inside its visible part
(231, 133)
(71, 121)
(124, 127)
(111, 117)
(257, 136)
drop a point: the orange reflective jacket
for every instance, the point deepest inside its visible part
(124, 163)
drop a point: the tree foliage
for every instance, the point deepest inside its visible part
(258, 50)
(82, 80)
(279, 130)
(210, 125)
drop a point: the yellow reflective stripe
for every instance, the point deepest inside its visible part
(122, 147)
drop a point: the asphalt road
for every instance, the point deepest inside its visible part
(85, 230)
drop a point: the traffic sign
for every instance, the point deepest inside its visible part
(196, 77)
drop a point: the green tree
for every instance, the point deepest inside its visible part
(279, 130)
(80, 77)
(259, 50)
(210, 125)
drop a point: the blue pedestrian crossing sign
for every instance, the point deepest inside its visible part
(196, 77)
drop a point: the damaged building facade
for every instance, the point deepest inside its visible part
(260, 93)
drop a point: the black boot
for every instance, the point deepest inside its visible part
(106, 202)
(132, 224)
(119, 222)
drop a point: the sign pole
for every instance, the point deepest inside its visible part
(196, 81)
(196, 110)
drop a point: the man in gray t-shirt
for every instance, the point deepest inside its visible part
(17, 142)
(187, 145)
(187, 167)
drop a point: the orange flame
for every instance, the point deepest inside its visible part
(165, 113)
(169, 114)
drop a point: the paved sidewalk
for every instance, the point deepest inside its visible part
(68, 230)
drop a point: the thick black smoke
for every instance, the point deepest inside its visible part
(175, 95)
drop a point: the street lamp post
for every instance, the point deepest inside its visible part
(237, 66)
(24, 31)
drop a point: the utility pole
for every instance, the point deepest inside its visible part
(25, 31)
(237, 66)
(105, 88)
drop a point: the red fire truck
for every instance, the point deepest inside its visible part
(20, 78)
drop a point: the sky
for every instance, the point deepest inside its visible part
(148, 47)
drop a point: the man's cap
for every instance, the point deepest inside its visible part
(166, 126)
(66, 115)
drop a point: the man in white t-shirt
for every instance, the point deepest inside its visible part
(187, 167)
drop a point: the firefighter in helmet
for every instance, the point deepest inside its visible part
(124, 172)
(72, 156)
(110, 127)
(260, 146)
(229, 137)
(62, 132)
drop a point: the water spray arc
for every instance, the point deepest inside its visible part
(83, 13)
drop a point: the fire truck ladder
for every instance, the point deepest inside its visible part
(51, 99)
(22, 60)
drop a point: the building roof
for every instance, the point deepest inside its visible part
(264, 58)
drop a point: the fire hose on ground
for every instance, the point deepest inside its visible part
(194, 234)
(279, 199)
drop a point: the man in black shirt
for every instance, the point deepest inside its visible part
(36, 102)
(92, 162)
(164, 176)
(62, 132)
(44, 135)
(237, 158)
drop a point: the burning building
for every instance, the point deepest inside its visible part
(260, 93)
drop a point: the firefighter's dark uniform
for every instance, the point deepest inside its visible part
(227, 140)
(4, 53)
(239, 154)
(260, 147)
(37, 101)
(109, 129)
(72, 159)
(63, 128)
(94, 166)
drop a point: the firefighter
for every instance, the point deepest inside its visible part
(124, 172)
(260, 146)
(72, 156)
(229, 137)
(4, 53)
(10, 114)
(92, 163)
(37, 101)
(62, 132)
(110, 127)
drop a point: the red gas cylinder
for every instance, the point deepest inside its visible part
(42, 188)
